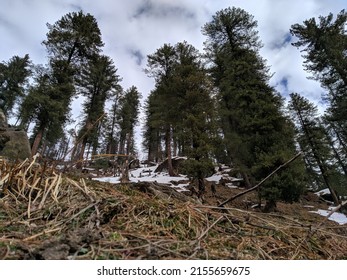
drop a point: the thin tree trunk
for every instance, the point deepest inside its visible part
(246, 179)
(95, 143)
(168, 151)
(81, 154)
(65, 150)
(121, 144)
(174, 147)
(128, 143)
(111, 141)
(158, 152)
(125, 171)
(44, 149)
(310, 168)
(88, 151)
(37, 141)
(150, 156)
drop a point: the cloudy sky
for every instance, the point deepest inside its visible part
(132, 29)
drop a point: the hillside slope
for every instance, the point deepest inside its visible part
(47, 215)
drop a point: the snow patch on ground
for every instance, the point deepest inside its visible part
(231, 186)
(339, 218)
(147, 174)
(214, 178)
(322, 192)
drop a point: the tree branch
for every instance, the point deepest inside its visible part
(261, 182)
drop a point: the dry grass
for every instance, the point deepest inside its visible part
(47, 215)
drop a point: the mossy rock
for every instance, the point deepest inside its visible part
(14, 144)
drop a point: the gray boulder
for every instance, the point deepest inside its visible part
(14, 143)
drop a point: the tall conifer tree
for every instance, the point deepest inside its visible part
(257, 136)
(98, 83)
(180, 109)
(324, 45)
(313, 141)
(71, 42)
(127, 118)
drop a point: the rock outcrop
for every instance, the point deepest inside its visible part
(14, 143)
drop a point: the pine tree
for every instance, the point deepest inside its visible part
(13, 79)
(40, 108)
(180, 109)
(159, 66)
(98, 82)
(71, 42)
(313, 140)
(256, 134)
(127, 118)
(194, 127)
(152, 133)
(109, 129)
(337, 144)
(324, 43)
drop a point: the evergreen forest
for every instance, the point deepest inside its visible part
(211, 107)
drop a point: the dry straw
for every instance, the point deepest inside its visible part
(48, 215)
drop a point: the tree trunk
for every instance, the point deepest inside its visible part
(168, 151)
(79, 163)
(312, 173)
(37, 141)
(125, 172)
(129, 147)
(246, 179)
(150, 156)
(158, 150)
(175, 147)
(64, 150)
(95, 143)
(44, 151)
(121, 145)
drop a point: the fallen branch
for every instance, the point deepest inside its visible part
(261, 182)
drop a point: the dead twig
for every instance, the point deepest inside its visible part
(41, 233)
(209, 228)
